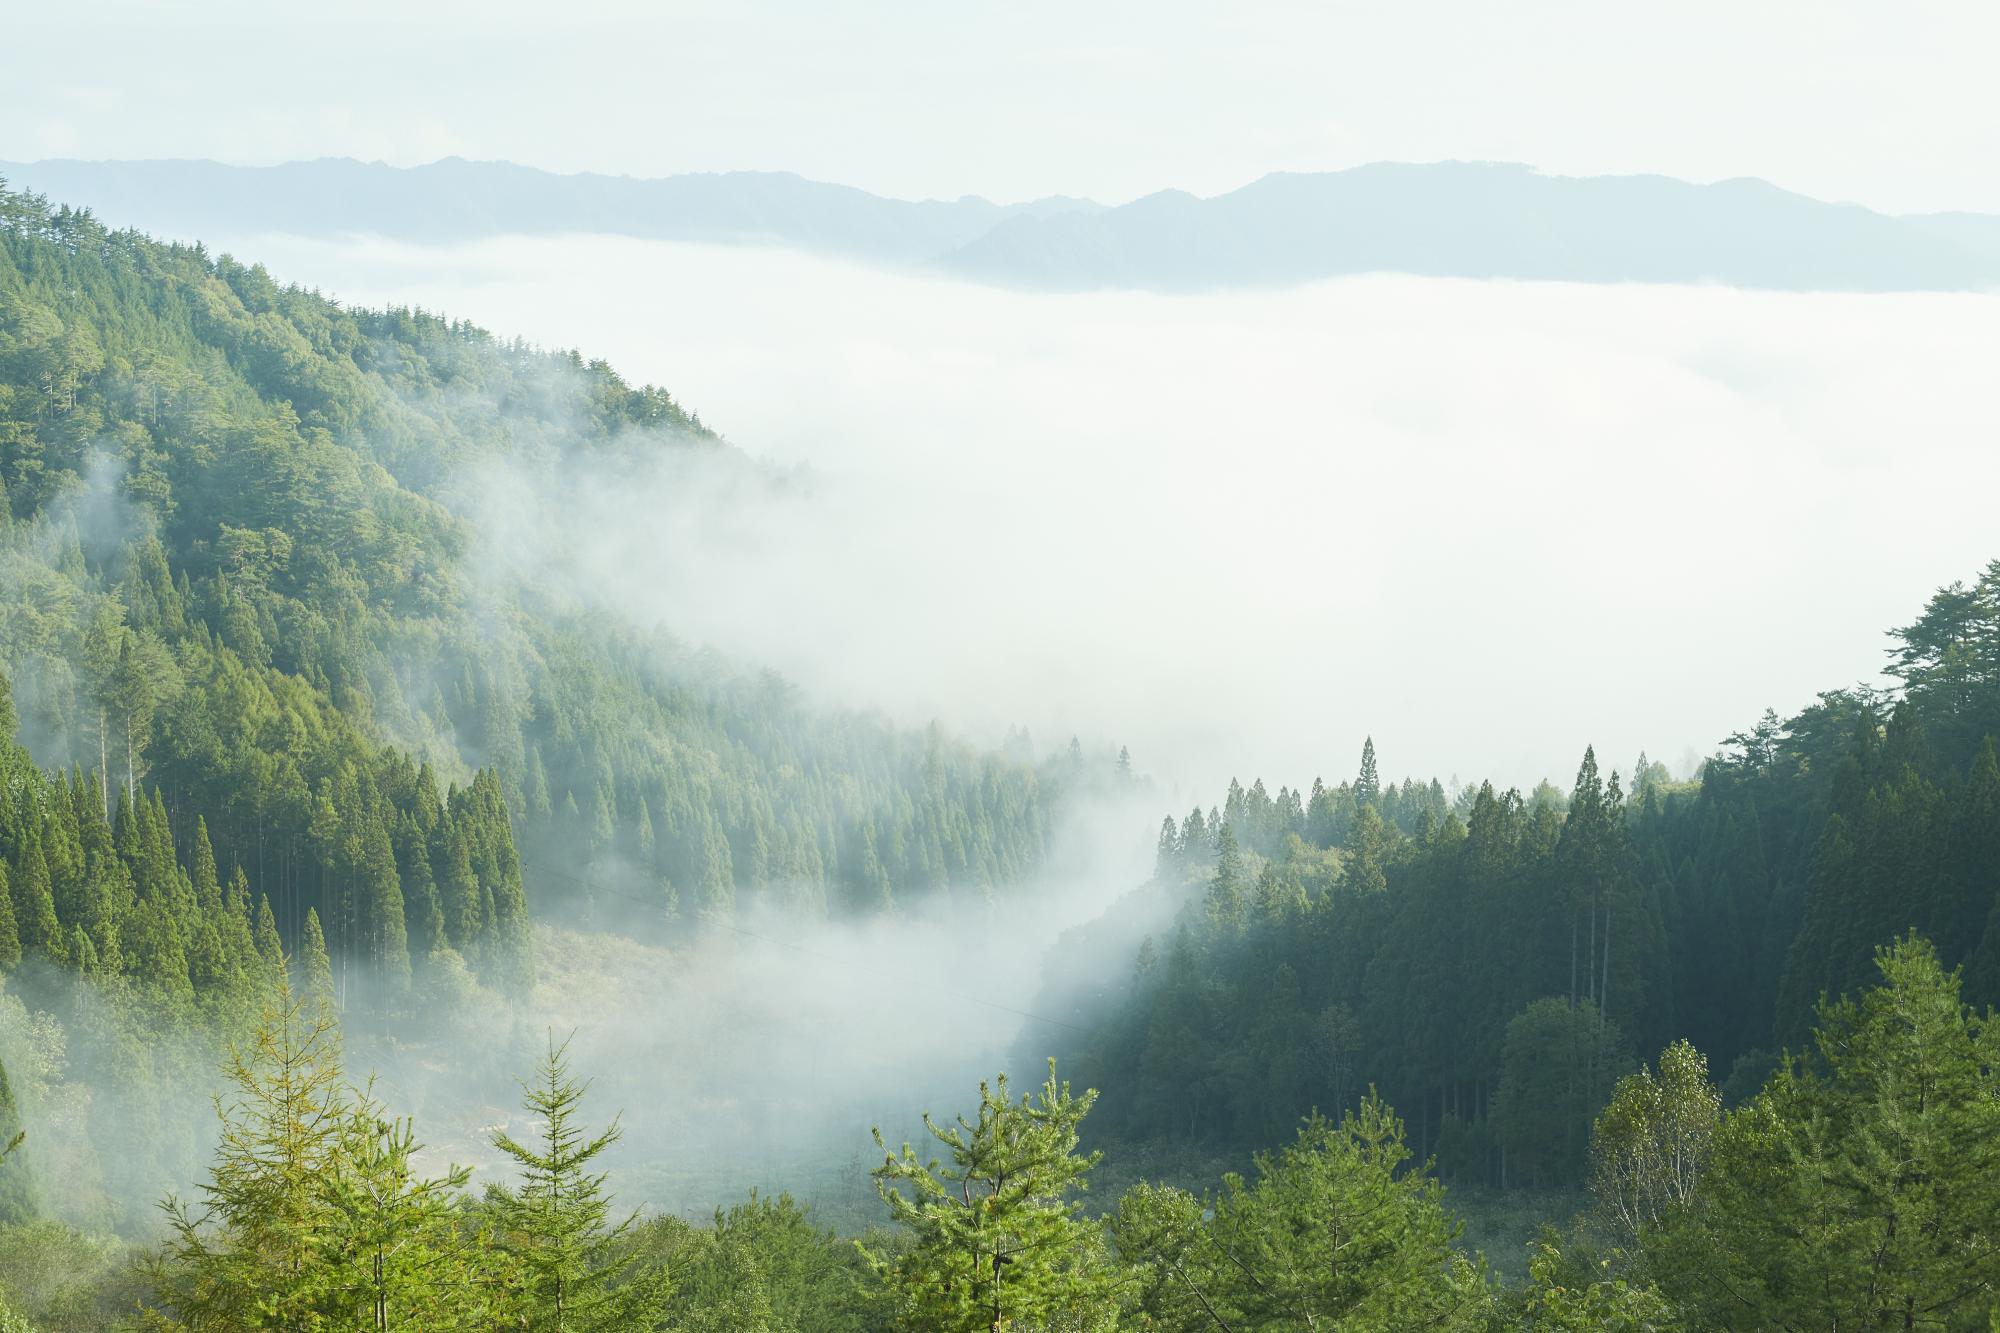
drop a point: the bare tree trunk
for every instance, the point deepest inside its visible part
(1590, 970)
(1604, 991)
(104, 761)
(1572, 957)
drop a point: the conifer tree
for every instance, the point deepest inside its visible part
(270, 949)
(1859, 1190)
(35, 908)
(201, 875)
(381, 895)
(458, 890)
(996, 1238)
(569, 1269)
(1332, 1233)
(1368, 783)
(408, 1258)
(422, 914)
(252, 1253)
(1557, 1067)
(1225, 886)
(315, 971)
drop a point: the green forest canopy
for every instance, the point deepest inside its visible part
(235, 581)
(276, 735)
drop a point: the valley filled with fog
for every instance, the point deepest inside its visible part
(999, 669)
(1237, 532)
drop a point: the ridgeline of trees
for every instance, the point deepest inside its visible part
(235, 581)
(1496, 962)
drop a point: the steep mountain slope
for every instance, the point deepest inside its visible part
(240, 569)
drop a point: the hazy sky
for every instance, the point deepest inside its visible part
(1890, 105)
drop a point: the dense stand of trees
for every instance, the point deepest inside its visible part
(1494, 962)
(296, 755)
(235, 571)
(274, 702)
(1859, 1188)
(130, 894)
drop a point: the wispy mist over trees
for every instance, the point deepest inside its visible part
(232, 504)
(323, 791)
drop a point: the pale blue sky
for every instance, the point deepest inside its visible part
(1890, 105)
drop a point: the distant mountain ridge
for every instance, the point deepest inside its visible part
(1453, 219)
(1489, 220)
(454, 199)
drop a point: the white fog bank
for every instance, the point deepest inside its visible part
(1486, 522)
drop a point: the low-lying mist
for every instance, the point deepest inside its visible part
(762, 1053)
(1486, 522)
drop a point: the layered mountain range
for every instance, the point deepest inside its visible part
(1451, 219)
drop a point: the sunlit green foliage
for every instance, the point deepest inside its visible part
(566, 1266)
(996, 1240)
(1861, 1188)
(1333, 1231)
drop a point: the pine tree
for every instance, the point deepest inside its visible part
(35, 908)
(315, 970)
(996, 1241)
(1859, 1190)
(406, 1256)
(252, 1254)
(201, 875)
(1332, 1233)
(270, 949)
(381, 894)
(570, 1268)
(1368, 784)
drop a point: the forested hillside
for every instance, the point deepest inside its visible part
(298, 764)
(1495, 964)
(241, 589)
